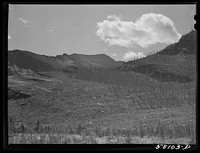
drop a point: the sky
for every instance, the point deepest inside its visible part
(122, 32)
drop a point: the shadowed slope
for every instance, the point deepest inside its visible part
(177, 62)
(99, 60)
(23, 60)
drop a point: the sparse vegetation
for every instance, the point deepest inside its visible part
(144, 133)
(152, 93)
(148, 100)
(133, 97)
(127, 118)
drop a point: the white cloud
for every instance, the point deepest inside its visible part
(114, 54)
(132, 55)
(23, 20)
(149, 29)
(9, 37)
(51, 30)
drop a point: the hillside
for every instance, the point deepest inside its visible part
(186, 45)
(27, 60)
(146, 109)
(99, 60)
(177, 62)
(103, 104)
(22, 61)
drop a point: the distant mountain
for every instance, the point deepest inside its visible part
(28, 62)
(177, 62)
(99, 60)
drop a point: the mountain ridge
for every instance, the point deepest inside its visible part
(26, 60)
(176, 62)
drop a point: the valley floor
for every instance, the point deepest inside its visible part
(90, 109)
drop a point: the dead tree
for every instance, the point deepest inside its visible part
(36, 129)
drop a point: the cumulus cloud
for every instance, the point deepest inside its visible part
(132, 55)
(23, 20)
(149, 29)
(114, 54)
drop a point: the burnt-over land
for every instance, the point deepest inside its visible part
(71, 99)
